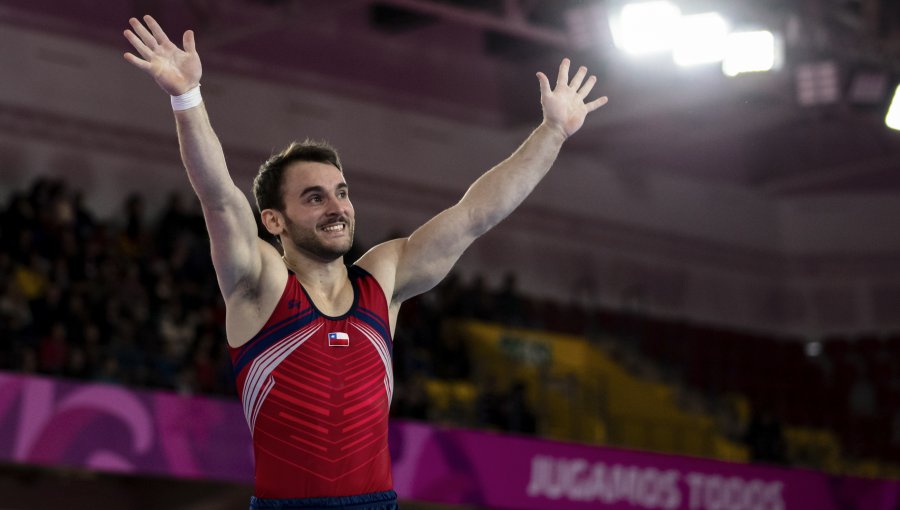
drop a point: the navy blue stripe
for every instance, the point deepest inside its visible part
(361, 273)
(281, 323)
(368, 316)
(375, 316)
(357, 271)
(361, 314)
(288, 326)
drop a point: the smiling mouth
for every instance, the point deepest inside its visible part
(334, 227)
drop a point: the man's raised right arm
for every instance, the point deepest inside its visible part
(229, 217)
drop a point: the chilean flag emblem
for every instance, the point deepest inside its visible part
(338, 340)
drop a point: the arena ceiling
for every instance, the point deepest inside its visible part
(475, 61)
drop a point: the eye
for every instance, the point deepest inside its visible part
(343, 193)
(315, 198)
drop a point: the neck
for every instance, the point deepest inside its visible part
(323, 277)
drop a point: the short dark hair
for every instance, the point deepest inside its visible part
(267, 184)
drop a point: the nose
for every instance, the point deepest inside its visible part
(338, 206)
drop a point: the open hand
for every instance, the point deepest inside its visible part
(175, 70)
(564, 106)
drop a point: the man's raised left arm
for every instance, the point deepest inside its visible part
(422, 260)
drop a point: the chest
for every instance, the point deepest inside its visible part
(337, 359)
(331, 305)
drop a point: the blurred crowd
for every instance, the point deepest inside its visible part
(131, 302)
(134, 300)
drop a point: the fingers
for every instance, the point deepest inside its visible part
(138, 44)
(588, 86)
(145, 36)
(156, 29)
(596, 103)
(578, 78)
(148, 42)
(578, 85)
(545, 84)
(137, 62)
(188, 42)
(563, 78)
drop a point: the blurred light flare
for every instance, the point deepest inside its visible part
(700, 39)
(646, 27)
(892, 119)
(749, 52)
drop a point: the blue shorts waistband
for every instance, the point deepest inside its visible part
(386, 500)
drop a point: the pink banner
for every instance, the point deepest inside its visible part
(456, 466)
(112, 428)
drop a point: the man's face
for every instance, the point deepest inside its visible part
(319, 218)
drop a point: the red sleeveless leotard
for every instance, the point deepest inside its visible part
(316, 391)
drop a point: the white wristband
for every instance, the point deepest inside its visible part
(187, 100)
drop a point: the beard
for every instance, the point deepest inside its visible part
(308, 242)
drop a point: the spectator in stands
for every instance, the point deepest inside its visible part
(450, 296)
(862, 401)
(509, 303)
(413, 401)
(204, 365)
(15, 311)
(18, 217)
(33, 276)
(76, 364)
(895, 429)
(413, 332)
(84, 220)
(53, 350)
(49, 307)
(765, 438)
(28, 359)
(177, 326)
(863, 405)
(519, 416)
(94, 350)
(451, 355)
(109, 371)
(133, 238)
(489, 405)
(477, 300)
(174, 222)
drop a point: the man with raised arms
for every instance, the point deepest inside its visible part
(311, 339)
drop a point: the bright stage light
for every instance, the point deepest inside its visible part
(700, 39)
(646, 27)
(893, 115)
(749, 52)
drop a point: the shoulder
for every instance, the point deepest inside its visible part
(381, 262)
(369, 290)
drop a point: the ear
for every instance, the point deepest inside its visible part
(273, 221)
